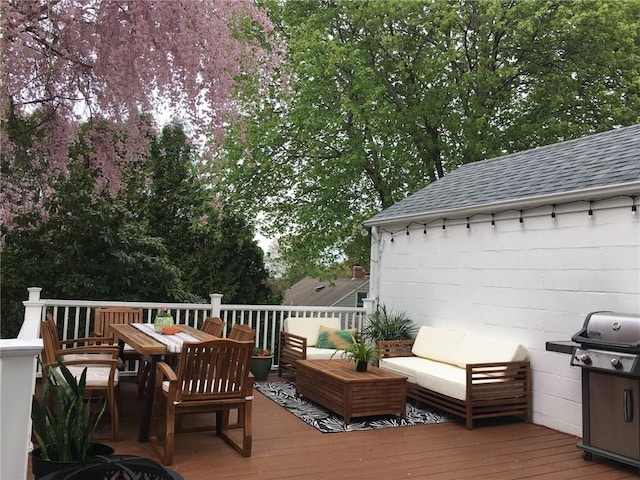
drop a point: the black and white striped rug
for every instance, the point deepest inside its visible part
(284, 394)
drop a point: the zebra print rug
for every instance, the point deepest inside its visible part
(284, 394)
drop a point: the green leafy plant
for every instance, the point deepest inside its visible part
(63, 419)
(386, 324)
(359, 351)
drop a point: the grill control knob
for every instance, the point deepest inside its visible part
(615, 363)
(586, 359)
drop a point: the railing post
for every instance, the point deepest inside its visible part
(369, 305)
(17, 383)
(32, 315)
(216, 303)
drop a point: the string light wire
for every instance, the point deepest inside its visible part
(590, 212)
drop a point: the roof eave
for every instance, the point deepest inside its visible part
(591, 194)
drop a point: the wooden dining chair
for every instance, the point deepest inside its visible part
(212, 376)
(213, 326)
(107, 316)
(101, 362)
(73, 342)
(242, 333)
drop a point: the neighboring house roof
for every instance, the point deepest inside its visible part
(587, 168)
(313, 292)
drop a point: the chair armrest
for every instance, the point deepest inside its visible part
(163, 370)
(97, 362)
(112, 350)
(394, 348)
(87, 341)
(165, 373)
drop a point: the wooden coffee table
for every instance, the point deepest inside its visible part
(337, 386)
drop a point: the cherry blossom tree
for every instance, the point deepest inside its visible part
(109, 62)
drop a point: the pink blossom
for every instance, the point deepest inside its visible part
(108, 62)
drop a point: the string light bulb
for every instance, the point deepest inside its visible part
(633, 206)
(391, 237)
(591, 209)
(521, 220)
(424, 232)
(444, 227)
(493, 221)
(407, 230)
(553, 211)
(468, 224)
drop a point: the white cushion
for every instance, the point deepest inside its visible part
(436, 376)
(96, 376)
(407, 366)
(86, 356)
(444, 378)
(314, 353)
(477, 349)
(309, 327)
(438, 344)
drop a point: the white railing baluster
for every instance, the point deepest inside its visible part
(76, 316)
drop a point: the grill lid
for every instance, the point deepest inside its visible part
(618, 331)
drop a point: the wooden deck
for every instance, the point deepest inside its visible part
(286, 448)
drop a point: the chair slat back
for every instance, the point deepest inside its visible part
(52, 330)
(242, 333)
(214, 370)
(50, 344)
(213, 326)
(105, 317)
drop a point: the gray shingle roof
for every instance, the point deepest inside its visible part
(312, 292)
(590, 165)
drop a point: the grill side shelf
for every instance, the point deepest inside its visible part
(561, 347)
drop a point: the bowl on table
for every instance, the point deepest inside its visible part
(170, 330)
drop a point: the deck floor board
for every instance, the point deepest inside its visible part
(285, 448)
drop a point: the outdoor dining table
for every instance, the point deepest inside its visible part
(145, 340)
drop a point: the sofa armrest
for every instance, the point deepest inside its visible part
(394, 348)
(292, 348)
(498, 388)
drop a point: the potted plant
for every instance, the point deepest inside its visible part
(360, 352)
(261, 361)
(64, 422)
(386, 324)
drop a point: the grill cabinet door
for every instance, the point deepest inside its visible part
(614, 413)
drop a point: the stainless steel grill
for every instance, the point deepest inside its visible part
(609, 355)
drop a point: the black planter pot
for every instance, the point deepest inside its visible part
(41, 468)
(361, 366)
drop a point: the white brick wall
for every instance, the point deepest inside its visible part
(532, 283)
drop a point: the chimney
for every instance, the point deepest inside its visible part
(358, 272)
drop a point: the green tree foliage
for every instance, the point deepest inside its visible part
(225, 258)
(214, 248)
(87, 247)
(155, 241)
(382, 97)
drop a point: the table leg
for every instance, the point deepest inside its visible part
(145, 421)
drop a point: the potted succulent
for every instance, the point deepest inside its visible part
(261, 361)
(360, 352)
(64, 422)
(386, 324)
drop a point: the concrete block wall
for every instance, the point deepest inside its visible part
(530, 282)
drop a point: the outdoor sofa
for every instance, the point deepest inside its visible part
(306, 338)
(467, 375)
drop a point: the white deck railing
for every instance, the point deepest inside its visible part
(76, 316)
